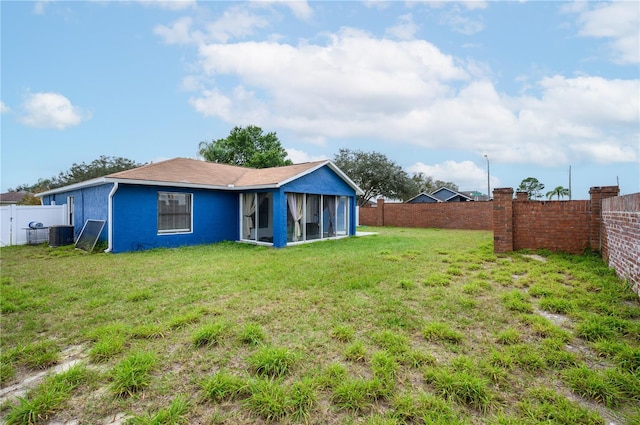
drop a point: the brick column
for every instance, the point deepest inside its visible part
(503, 220)
(380, 211)
(597, 194)
(522, 196)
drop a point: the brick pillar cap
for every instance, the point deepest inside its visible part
(503, 190)
(614, 189)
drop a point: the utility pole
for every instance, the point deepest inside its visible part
(569, 182)
(488, 179)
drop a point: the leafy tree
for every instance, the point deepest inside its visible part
(246, 147)
(102, 166)
(558, 191)
(30, 199)
(532, 186)
(375, 174)
(426, 183)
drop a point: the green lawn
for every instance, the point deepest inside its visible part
(408, 326)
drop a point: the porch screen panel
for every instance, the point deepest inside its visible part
(265, 222)
(329, 216)
(295, 207)
(342, 226)
(174, 212)
(312, 217)
(248, 214)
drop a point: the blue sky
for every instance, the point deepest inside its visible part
(538, 87)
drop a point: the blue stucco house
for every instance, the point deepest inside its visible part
(187, 202)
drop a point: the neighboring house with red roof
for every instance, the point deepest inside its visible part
(187, 202)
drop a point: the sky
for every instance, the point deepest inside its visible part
(539, 89)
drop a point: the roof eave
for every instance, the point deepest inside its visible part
(88, 183)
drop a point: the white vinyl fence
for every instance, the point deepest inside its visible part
(15, 219)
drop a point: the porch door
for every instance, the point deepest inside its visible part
(257, 217)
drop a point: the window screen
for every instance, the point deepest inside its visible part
(174, 212)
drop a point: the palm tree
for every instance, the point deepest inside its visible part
(559, 191)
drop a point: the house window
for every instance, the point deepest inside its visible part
(70, 208)
(174, 212)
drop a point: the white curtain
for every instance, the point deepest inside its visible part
(295, 201)
(249, 204)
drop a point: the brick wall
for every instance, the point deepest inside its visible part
(554, 225)
(621, 236)
(367, 216)
(567, 226)
(442, 215)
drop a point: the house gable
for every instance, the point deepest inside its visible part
(423, 198)
(321, 181)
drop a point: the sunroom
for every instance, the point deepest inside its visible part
(309, 217)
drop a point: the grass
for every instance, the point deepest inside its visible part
(48, 397)
(408, 326)
(131, 375)
(271, 361)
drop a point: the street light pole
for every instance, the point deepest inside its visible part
(488, 179)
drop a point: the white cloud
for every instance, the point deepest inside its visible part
(169, 4)
(356, 86)
(51, 110)
(605, 153)
(461, 23)
(405, 29)
(617, 21)
(298, 156)
(466, 174)
(299, 8)
(4, 108)
(39, 6)
(178, 33)
(235, 22)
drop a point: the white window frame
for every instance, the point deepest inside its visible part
(175, 231)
